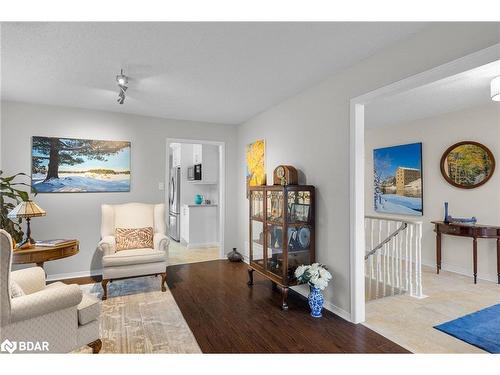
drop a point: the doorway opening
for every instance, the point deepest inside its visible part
(416, 111)
(195, 197)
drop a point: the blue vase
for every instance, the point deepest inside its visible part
(198, 199)
(315, 302)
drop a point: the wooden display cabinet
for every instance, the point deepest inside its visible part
(281, 223)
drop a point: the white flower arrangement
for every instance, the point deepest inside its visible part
(316, 275)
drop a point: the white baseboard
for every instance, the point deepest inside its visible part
(461, 271)
(202, 245)
(328, 306)
(73, 275)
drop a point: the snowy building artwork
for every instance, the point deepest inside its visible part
(398, 179)
(61, 165)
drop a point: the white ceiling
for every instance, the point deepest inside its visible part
(216, 72)
(465, 90)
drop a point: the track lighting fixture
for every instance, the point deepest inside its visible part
(122, 81)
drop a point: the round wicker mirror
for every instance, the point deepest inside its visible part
(467, 164)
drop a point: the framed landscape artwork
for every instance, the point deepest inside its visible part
(397, 179)
(69, 165)
(255, 155)
(467, 164)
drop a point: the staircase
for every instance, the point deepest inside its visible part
(393, 260)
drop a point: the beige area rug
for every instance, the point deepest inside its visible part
(409, 321)
(138, 318)
(179, 254)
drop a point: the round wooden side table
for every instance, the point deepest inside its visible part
(42, 254)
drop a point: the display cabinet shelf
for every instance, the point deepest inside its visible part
(282, 233)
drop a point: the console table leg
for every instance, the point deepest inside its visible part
(474, 251)
(438, 252)
(498, 259)
(250, 277)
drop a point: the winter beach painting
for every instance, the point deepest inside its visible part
(397, 179)
(68, 165)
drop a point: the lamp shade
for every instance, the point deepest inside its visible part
(26, 209)
(495, 89)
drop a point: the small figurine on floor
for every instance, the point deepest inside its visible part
(234, 256)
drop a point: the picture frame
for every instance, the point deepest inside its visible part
(398, 179)
(467, 164)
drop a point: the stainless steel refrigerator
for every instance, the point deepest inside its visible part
(174, 203)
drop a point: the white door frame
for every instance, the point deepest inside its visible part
(357, 160)
(222, 181)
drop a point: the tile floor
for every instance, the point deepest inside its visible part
(409, 321)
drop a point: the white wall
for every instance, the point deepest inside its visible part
(311, 132)
(77, 215)
(480, 124)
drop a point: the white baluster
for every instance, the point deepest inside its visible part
(407, 270)
(412, 241)
(419, 265)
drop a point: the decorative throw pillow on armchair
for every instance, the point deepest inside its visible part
(134, 238)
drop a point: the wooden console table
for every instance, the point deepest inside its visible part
(42, 254)
(467, 230)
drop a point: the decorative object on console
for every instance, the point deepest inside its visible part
(26, 210)
(450, 219)
(198, 199)
(279, 241)
(234, 256)
(69, 165)
(467, 164)
(317, 277)
(255, 155)
(10, 197)
(285, 175)
(397, 179)
(446, 212)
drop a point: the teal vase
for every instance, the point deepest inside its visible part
(198, 199)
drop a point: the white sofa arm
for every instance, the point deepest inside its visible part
(30, 280)
(44, 302)
(107, 245)
(161, 242)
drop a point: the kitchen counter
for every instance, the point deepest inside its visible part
(199, 227)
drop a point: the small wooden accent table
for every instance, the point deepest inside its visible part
(42, 254)
(467, 230)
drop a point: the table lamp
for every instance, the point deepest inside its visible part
(26, 210)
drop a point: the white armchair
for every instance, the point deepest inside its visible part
(129, 263)
(56, 314)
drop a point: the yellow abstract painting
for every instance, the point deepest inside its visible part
(256, 169)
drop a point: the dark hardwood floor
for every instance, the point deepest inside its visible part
(227, 316)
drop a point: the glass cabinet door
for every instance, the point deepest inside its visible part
(257, 243)
(275, 205)
(299, 206)
(257, 204)
(299, 247)
(275, 250)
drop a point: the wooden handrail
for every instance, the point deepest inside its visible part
(403, 226)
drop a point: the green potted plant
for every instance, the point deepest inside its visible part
(10, 196)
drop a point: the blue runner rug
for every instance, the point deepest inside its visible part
(481, 329)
